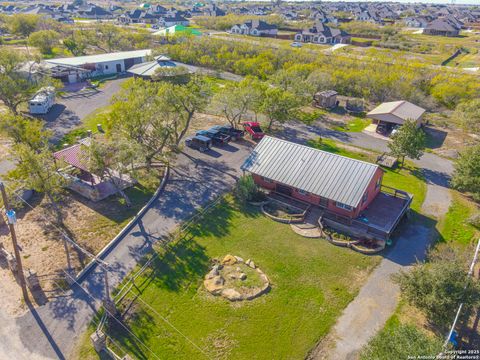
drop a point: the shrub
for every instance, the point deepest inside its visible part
(246, 189)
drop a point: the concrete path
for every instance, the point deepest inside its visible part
(51, 331)
(378, 298)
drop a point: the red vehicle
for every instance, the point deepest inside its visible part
(254, 129)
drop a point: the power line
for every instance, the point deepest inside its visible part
(105, 267)
(111, 315)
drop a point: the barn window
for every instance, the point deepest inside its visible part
(378, 184)
(365, 198)
(267, 180)
(106, 67)
(303, 192)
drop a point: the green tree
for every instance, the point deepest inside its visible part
(437, 288)
(180, 103)
(38, 171)
(408, 141)
(15, 86)
(76, 45)
(236, 99)
(30, 132)
(113, 160)
(136, 116)
(245, 189)
(23, 24)
(278, 105)
(466, 176)
(467, 114)
(44, 40)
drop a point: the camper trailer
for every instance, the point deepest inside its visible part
(42, 102)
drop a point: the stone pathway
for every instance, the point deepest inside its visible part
(378, 298)
(309, 228)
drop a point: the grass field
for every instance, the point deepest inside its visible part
(355, 125)
(312, 282)
(454, 227)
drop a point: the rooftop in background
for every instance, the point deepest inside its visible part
(92, 59)
(149, 68)
(318, 172)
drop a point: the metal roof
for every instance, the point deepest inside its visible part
(401, 109)
(94, 59)
(318, 172)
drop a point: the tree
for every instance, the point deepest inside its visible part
(177, 74)
(44, 40)
(467, 114)
(113, 160)
(38, 171)
(29, 132)
(136, 116)
(23, 24)
(245, 189)
(15, 87)
(236, 99)
(408, 141)
(278, 105)
(179, 104)
(466, 176)
(75, 45)
(438, 287)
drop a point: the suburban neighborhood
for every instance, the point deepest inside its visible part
(250, 180)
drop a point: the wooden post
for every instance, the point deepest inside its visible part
(11, 226)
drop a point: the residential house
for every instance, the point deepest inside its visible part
(348, 191)
(172, 20)
(95, 12)
(255, 28)
(320, 33)
(442, 27)
(416, 21)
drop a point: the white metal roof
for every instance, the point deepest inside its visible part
(402, 110)
(94, 59)
(318, 172)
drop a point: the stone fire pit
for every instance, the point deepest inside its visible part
(236, 279)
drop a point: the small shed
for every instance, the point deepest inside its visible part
(325, 99)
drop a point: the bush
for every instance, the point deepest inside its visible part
(437, 288)
(474, 220)
(246, 189)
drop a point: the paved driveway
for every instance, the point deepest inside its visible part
(51, 331)
(68, 113)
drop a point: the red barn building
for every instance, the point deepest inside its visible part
(349, 191)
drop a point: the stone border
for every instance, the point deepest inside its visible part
(231, 294)
(79, 277)
(293, 220)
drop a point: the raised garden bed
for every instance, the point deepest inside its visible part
(282, 212)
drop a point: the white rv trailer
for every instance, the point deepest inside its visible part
(43, 101)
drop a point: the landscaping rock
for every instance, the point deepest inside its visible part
(213, 272)
(242, 276)
(214, 285)
(231, 294)
(250, 263)
(239, 259)
(229, 260)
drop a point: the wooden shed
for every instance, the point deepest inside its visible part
(326, 99)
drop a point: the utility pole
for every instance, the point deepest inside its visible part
(11, 225)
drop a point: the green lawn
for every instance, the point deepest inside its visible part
(357, 124)
(312, 282)
(454, 227)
